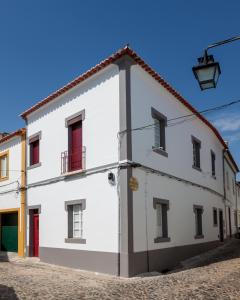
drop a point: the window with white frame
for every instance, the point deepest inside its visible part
(161, 206)
(75, 210)
(4, 166)
(77, 221)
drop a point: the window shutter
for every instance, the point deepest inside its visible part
(34, 152)
(159, 220)
(70, 221)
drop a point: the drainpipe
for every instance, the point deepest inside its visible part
(224, 190)
(23, 193)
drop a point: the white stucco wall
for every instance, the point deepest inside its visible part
(181, 217)
(9, 198)
(147, 93)
(99, 97)
(100, 218)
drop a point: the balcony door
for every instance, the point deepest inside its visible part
(75, 146)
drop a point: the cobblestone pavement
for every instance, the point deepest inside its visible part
(212, 276)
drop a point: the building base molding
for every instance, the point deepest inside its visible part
(103, 262)
(167, 258)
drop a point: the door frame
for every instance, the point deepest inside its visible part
(35, 209)
(221, 226)
(229, 221)
(20, 230)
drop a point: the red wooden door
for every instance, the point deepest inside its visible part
(35, 235)
(75, 151)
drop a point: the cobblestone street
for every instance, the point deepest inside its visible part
(215, 275)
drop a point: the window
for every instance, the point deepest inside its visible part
(160, 122)
(34, 150)
(198, 210)
(4, 159)
(215, 217)
(233, 186)
(75, 210)
(213, 159)
(227, 179)
(74, 157)
(196, 153)
(161, 206)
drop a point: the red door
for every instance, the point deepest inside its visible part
(36, 235)
(75, 147)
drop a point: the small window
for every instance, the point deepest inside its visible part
(161, 206)
(198, 210)
(215, 217)
(233, 186)
(75, 221)
(4, 158)
(227, 179)
(160, 122)
(34, 153)
(196, 153)
(213, 159)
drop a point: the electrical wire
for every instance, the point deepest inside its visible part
(185, 118)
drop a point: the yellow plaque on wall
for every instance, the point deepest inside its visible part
(133, 183)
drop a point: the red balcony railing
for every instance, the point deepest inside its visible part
(74, 161)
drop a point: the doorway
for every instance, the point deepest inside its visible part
(230, 222)
(221, 236)
(34, 233)
(9, 232)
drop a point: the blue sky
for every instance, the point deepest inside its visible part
(46, 43)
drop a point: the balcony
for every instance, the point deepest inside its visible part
(73, 162)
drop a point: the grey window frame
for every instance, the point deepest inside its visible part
(165, 208)
(213, 164)
(33, 138)
(196, 141)
(156, 115)
(198, 223)
(69, 209)
(215, 210)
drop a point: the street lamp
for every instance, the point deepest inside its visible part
(208, 71)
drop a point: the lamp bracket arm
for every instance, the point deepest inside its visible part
(233, 39)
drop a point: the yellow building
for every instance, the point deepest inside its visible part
(12, 191)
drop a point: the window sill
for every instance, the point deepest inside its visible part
(75, 241)
(74, 173)
(162, 239)
(160, 151)
(199, 236)
(34, 166)
(215, 225)
(196, 168)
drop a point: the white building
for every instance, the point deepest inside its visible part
(119, 179)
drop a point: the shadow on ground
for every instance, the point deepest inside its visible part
(7, 293)
(3, 257)
(229, 250)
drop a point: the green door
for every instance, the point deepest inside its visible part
(9, 232)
